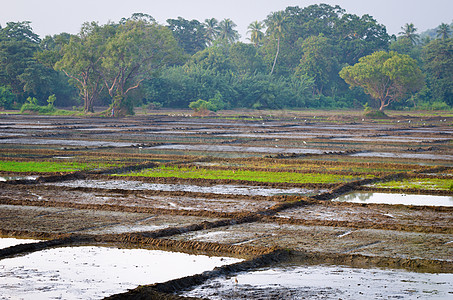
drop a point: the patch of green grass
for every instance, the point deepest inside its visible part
(49, 167)
(418, 183)
(246, 175)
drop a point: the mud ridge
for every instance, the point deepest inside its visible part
(119, 208)
(362, 225)
(125, 169)
(211, 182)
(363, 261)
(184, 283)
(166, 232)
(405, 191)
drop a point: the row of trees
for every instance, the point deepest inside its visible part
(294, 59)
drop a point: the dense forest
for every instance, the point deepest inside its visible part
(318, 57)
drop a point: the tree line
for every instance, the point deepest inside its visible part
(319, 56)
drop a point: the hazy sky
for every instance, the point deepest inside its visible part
(56, 16)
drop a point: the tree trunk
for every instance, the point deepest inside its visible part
(276, 55)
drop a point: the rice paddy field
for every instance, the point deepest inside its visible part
(243, 205)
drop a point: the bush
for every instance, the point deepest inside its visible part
(32, 106)
(375, 114)
(202, 105)
(28, 107)
(6, 98)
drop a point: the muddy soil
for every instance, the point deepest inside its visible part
(226, 216)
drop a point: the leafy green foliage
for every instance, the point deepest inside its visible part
(191, 35)
(6, 98)
(246, 175)
(438, 57)
(386, 76)
(137, 61)
(201, 105)
(48, 166)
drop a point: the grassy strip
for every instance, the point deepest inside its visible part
(418, 183)
(246, 175)
(314, 166)
(50, 167)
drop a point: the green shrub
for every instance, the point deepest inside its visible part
(202, 105)
(6, 98)
(375, 114)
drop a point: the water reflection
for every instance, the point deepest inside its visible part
(95, 272)
(390, 198)
(9, 242)
(327, 282)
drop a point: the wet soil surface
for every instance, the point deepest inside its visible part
(293, 281)
(239, 218)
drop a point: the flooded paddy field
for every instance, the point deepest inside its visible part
(267, 198)
(293, 281)
(93, 272)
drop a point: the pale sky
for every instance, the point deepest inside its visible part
(50, 17)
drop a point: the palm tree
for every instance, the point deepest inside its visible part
(256, 35)
(212, 29)
(275, 27)
(227, 31)
(409, 32)
(443, 31)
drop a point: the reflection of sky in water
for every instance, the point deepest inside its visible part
(228, 148)
(389, 198)
(10, 178)
(215, 189)
(78, 143)
(95, 272)
(327, 282)
(9, 242)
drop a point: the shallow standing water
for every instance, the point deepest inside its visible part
(215, 189)
(89, 272)
(327, 282)
(9, 242)
(389, 198)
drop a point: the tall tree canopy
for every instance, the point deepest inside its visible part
(352, 36)
(212, 30)
(137, 50)
(191, 35)
(117, 57)
(386, 76)
(410, 32)
(227, 31)
(81, 62)
(256, 33)
(20, 67)
(443, 31)
(438, 57)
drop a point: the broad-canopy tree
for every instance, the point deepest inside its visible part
(386, 76)
(137, 51)
(21, 69)
(18, 43)
(190, 35)
(318, 61)
(81, 62)
(117, 57)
